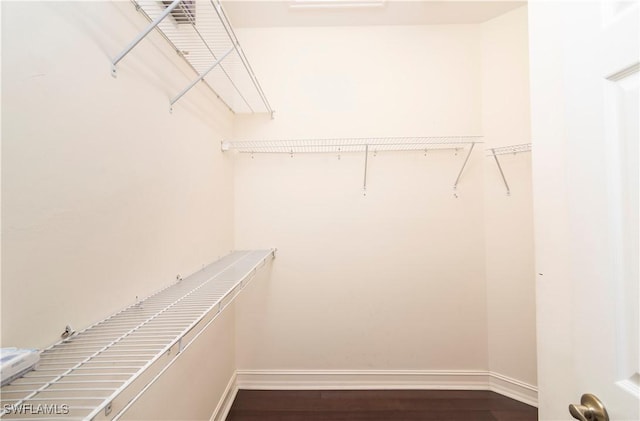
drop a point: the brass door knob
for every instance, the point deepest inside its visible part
(590, 409)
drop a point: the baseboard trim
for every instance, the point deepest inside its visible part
(224, 405)
(387, 379)
(514, 389)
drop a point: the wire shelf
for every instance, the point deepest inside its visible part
(512, 149)
(201, 33)
(338, 145)
(83, 376)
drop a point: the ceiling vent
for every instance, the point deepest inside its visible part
(185, 13)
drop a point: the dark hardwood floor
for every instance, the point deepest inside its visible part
(378, 405)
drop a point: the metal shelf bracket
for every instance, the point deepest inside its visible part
(142, 35)
(199, 78)
(501, 172)
(464, 164)
(366, 161)
(514, 149)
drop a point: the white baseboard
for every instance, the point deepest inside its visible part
(229, 395)
(387, 379)
(373, 379)
(514, 389)
(360, 379)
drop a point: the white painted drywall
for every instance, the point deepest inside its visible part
(550, 189)
(105, 195)
(508, 220)
(191, 387)
(393, 280)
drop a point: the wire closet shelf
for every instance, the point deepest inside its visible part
(337, 145)
(361, 145)
(507, 150)
(201, 33)
(101, 371)
(511, 149)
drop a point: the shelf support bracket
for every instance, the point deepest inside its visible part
(464, 164)
(504, 179)
(366, 159)
(140, 37)
(202, 76)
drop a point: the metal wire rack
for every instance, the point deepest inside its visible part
(337, 145)
(98, 372)
(201, 33)
(363, 145)
(504, 150)
(512, 149)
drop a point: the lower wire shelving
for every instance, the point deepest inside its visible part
(96, 373)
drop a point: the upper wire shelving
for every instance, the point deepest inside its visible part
(350, 144)
(202, 35)
(362, 145)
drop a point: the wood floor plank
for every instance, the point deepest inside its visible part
(377, 405)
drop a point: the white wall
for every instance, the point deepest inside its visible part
(192, 387)
(393, 280)
(105, 195)
(508, 219)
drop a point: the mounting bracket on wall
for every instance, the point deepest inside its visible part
(366, 145)
(200, 32)
(513, 149)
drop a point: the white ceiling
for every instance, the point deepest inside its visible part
(261, 13)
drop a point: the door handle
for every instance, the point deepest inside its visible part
(590, 409)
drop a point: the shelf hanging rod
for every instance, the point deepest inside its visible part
(202, 76)
(141, 36)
